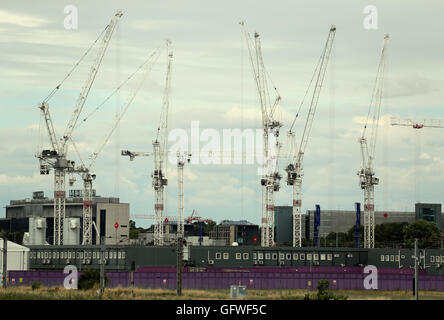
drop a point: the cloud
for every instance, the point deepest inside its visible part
(22, 20)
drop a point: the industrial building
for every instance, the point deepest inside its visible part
(283, 222)
(106, 212)
(242, 232)
(343, 220)
(429, 212)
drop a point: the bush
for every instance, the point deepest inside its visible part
(324, 293)
(89, 279)
(36, 285)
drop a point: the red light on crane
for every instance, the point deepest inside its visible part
(385, 215)
(166, 220)
(255, 239)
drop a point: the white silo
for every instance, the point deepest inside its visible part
(71, 231)
(37, 230)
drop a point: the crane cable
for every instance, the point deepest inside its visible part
(119, 87)
(51, 94)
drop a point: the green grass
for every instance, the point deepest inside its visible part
(52, 293)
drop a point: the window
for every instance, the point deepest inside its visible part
(94, 255)
(38, 255)
(432, 259)
(329, 257)
(119, 255)
(349, 255)
(295, 257)
(316, 256)
(218, 255)
(46, 255)
(274, 256)
(245, 255)
(81, 255)
(387, 258)
(226, 256)
(442, 259)
(382, 257)
(336, 255)
(322, 256)
(254, 255)
(397, 258)
(115, 254)
(309, 256)
(267, 256)
(437, 259)
(57, 255)
(106, 254)
(238, 256)
(123, 254)
(281, 256)
(392, 258)
(302, 256)
(260, 255)
(288, 256)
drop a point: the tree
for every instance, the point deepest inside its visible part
(427, 233)
(90, 278)
(389, 233)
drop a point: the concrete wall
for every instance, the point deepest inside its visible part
(115, 213)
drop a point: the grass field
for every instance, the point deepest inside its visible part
(26, 293)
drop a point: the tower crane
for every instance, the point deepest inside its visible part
(295, 168)
(87, 172)
(426, 123)
(182, 158)
(366, 175)
(270, 180)
(57, 157)
(159, 152)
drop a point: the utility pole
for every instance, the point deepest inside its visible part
(416, 269)
(102, 266)
(179, 264)
(5, 260)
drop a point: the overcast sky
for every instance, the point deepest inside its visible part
(212, 83)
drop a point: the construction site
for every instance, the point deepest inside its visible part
(285, 240)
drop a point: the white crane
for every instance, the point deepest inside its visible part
(57, 157)
(159, 151)
(182, 158)
(366, 175)
(295, 168)
(87, 171)
(270, 180)
(418, 124)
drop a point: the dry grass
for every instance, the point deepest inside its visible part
(45, 293)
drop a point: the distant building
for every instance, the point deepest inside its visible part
(106, 211)
(429, 212)
(242, 232)
(344, 220)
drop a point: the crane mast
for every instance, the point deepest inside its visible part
(270, 179)
(295, 168)
(367, 179)
(182, 158)
(159, 152)
(56, 158)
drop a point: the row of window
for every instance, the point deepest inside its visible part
(76, 255)
(395, 258)
(282, 256)
(437, 259)
(391, 258)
